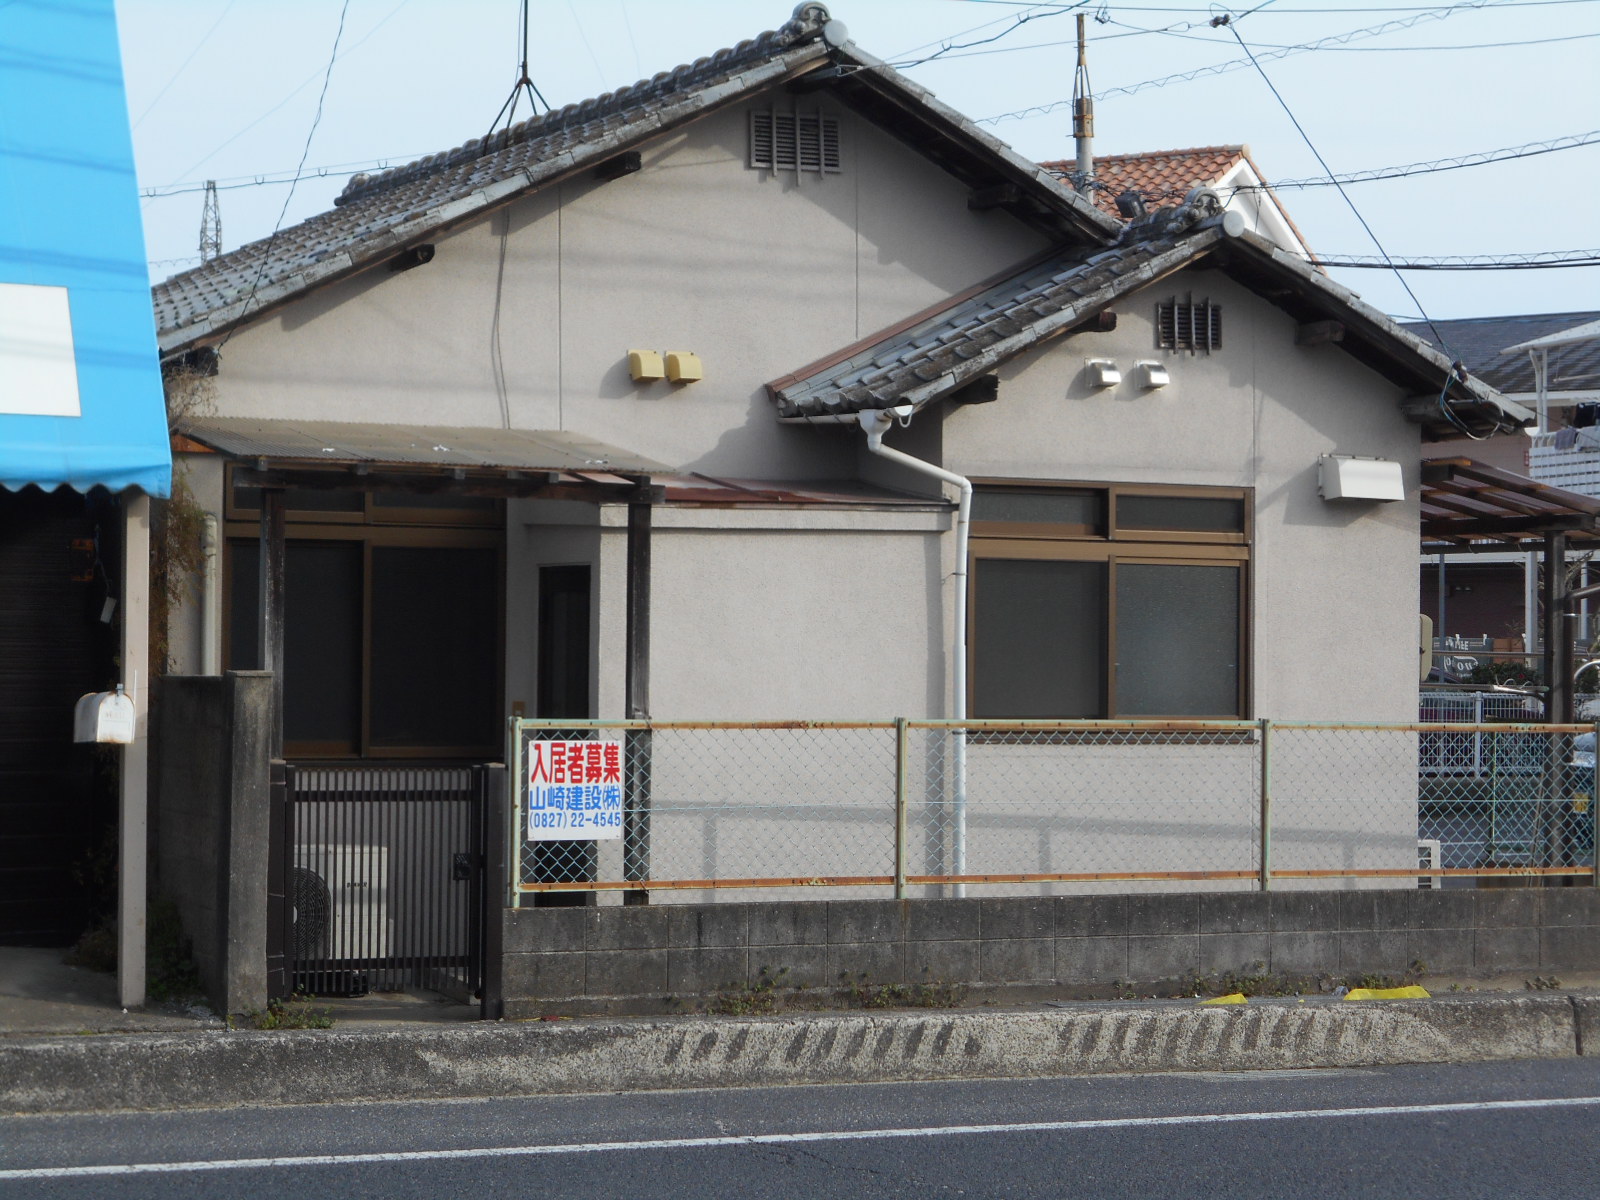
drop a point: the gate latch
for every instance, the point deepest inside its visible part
(461, 868)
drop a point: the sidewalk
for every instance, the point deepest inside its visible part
(413, 1046)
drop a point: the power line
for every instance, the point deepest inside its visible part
(1541, 260)
(269, 178)
(307, 82)
(1456, 371)
(1017, 24)
(266, 253)
(1435, 14)
(183, 66)
(1481, 158)
(1290, 12)
(1477, 159)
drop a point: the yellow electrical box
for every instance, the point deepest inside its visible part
(645, 365)
(683, 367)
(1425, 647)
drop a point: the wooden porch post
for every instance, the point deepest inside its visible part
(270, 642)
(133, 818)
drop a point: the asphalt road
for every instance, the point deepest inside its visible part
(1524, 1130)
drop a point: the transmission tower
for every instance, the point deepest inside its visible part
(210, 224)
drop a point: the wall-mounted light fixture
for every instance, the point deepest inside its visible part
(1150, 375)
(645, 366)
(1101, 372)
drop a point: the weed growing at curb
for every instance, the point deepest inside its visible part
(1256, 980)
(757, 999)
(294, 1013)
(930, 993)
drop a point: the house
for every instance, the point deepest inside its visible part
(1493, 594)
(665, 404)
(1162, 178)
(83, 448)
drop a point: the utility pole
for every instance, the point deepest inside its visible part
(1083, 116)
(210, 224)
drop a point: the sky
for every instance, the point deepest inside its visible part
(231, 90)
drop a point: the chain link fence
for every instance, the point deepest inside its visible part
(692, 810)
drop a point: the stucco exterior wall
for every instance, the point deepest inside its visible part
(837, 616)
(1334, 588)
(526, 318)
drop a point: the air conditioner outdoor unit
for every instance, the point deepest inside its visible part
(340, 903)
(1429, 855)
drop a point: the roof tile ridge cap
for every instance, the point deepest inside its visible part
(606, 104)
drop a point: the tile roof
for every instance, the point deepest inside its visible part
(378, 215)
(972, 334)
(943, 348)
(1478, 341)
(1162, 177)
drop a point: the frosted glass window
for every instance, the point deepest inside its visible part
(1187, 514)
(1039, 639)
(1177, 640)
(1042, 506)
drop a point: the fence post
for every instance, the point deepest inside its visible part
(1594, 809)
(1266, 804)
(901, 747)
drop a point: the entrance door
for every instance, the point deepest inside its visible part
(393, 644)
(53, 648)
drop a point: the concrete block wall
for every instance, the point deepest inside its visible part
(639, 959)
(210, 798)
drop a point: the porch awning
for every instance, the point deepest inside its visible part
(349, 454)
(1469, 506)
(81, 400)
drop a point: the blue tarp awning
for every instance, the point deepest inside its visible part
(81, 400)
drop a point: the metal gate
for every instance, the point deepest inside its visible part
(381, 878)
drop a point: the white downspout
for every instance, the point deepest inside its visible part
(210, 599)
(875, 423)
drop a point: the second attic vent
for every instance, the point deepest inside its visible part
(794, 141)
(1188, 325)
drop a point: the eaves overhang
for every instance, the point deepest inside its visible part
(376, 220)
(936, 353)
(1370, 336)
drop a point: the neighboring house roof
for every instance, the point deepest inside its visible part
(942, 349)
(378, 216)
(1480, 342)
(1163, 178)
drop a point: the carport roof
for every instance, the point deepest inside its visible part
(351, 445)
(1468, 506)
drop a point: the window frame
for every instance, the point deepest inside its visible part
(241, 530)
(1027, 541)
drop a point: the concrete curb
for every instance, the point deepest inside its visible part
(222, 1069)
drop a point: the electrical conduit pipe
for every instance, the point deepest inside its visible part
(875, 423)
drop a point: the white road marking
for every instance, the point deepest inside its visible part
(784, 1139)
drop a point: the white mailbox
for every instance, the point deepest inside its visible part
(104, 717)
(1348, 477)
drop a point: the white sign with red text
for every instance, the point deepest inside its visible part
(574, 790)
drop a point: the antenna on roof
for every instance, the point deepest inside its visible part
(524, 83)
(1083, 116)
(210, 224)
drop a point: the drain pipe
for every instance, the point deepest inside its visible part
(875, 423)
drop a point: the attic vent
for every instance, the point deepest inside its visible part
(794, 141)
(1187, 325)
